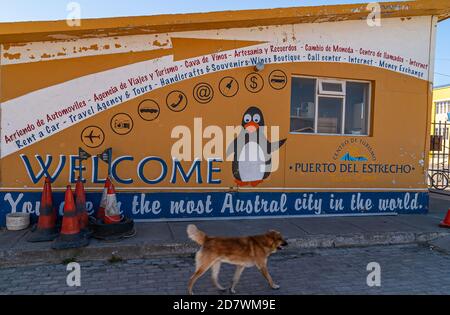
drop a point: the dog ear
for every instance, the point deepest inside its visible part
(273, 235)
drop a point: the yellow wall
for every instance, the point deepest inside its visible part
(398, 133)
(441, 93)
(48, 71)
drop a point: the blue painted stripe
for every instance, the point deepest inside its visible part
(210, 205)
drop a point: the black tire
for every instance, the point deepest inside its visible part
(440, 181)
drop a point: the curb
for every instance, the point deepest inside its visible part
(117, 251)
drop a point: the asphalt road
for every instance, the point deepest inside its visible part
(411, 269)
(439, 203)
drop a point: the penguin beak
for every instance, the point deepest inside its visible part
(251, 127)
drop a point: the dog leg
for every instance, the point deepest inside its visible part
(200, 272)
(215, 276)
(265, 273)
(203, 263)
(236, 278)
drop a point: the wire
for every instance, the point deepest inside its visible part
(445, 75)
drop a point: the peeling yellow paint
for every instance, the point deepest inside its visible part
(11, 45)
(92, 47)
(11, 56)
(94, 28)
(157, 43)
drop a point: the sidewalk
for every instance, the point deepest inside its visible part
(154, 239)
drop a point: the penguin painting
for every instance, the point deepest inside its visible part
(252, 152)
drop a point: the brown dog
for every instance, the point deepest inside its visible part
(244, 252)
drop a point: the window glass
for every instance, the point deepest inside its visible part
(303, 105)
(330, 115)
(357, 108)
(332, 87)
(330, 106)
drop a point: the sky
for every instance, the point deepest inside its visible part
(32, 10)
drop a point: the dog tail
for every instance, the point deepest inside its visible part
(196, 235)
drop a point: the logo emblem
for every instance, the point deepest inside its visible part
(278, 80)
(149, 110)
(176, 101)
(93, 137)
(122, 124)
(229, 86)
(254, 83)
(203, 93)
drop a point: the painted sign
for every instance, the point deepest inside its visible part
(209, 112)
(170, 206)
(25, 121)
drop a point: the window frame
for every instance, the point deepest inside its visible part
(336, 95)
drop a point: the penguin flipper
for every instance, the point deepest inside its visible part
(235, 168)
(231, 148)
(272, 147)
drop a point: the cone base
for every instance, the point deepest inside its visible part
(41, 236)
(87, 232)
(116, 231)
(445, 225)
(70, 241)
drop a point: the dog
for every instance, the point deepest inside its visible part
(244, 252)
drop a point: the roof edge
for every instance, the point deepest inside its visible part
(16, 32)
(439, 87)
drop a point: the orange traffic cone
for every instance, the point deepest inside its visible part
(80, 201)
(446, 222)
(46, 230)
(112, 213)
(101, 209)
(113, 227)
(71, 236)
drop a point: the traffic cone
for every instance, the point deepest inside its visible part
(71, 236)
(80, 202)
(101, 209)
(46, 230)
(446, 222)
(112, 213)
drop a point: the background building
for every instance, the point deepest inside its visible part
(440, 129)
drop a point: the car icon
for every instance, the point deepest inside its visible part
(149, 110)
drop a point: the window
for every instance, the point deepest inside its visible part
(329, 106)
(330, 115)
(329, 87)
(303, 105)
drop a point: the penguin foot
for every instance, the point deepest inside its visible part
(241, 183)
(254, 184)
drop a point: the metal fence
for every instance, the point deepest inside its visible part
(439, 155)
